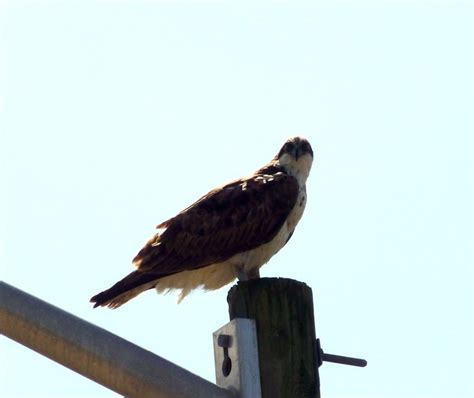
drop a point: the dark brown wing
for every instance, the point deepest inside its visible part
(236, 217)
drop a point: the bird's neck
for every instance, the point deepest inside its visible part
(298, 168)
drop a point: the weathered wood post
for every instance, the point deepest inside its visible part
(283, 311)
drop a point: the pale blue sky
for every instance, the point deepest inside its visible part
(116, 115)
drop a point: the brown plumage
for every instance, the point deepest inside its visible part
(235, 218)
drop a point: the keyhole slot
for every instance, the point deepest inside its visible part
(225, 341)
(226, 363)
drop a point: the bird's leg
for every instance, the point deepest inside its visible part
(253, 273)
(245, 276)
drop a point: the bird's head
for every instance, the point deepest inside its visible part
(296, 156)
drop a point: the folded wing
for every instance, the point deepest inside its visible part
(231, 219)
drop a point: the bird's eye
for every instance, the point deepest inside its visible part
(306, 148)
(289, 146)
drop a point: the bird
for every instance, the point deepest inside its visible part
(227, 234)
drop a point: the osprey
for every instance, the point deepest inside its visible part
(226, 234)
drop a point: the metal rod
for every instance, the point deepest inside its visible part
(344, 360)
(94, 352)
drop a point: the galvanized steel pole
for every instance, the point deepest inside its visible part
(94, 352)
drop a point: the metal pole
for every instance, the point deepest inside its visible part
(94, 352)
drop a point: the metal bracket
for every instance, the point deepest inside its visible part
(323, 357)
(236, 358)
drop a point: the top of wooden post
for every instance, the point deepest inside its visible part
(284, 315)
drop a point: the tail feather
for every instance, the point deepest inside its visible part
(124, 290)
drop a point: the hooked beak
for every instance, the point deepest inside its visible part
(296, 152)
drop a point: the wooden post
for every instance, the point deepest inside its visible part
(283, 311)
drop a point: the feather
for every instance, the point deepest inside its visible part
(226, 221)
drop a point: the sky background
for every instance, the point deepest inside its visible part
(114, 116)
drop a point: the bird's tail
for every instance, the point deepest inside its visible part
(124, 290)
